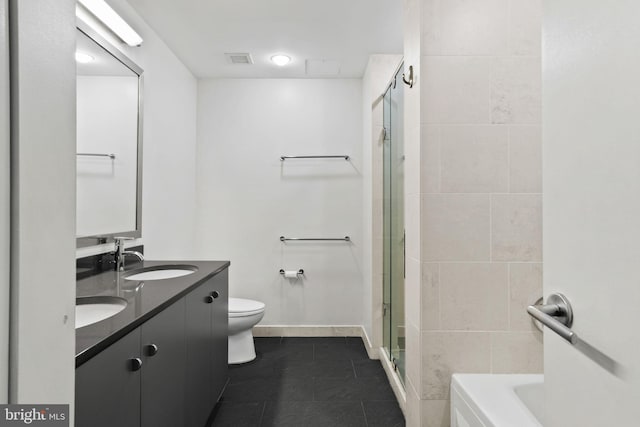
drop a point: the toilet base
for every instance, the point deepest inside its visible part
(241, 347)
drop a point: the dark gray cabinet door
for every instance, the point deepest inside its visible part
(163, 380)
(200, 399)
(107, 387)
(219, 287)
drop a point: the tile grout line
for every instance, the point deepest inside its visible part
(264, 408)
(509, 157)
(509, 296)
(353, 366)
(366, 422)
(491, 228)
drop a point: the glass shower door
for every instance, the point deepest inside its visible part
(393, 225)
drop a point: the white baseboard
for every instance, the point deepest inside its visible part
(306, 331)
(371, 350)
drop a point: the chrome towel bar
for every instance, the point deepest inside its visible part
(556, 315)
(111, 155)
(283, 158)
(345, 239)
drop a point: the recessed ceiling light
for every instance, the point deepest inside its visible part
(280, 60)
(83, 58)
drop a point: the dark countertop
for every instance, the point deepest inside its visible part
(145, 299)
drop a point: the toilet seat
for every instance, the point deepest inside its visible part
(240, 307)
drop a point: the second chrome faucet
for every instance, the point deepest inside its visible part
(120, 253)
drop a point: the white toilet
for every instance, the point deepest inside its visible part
(244, 314)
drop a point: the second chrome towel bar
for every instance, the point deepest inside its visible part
(345, 239)
(342, 156)
(556, 315)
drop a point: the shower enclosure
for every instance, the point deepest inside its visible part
(393, 224)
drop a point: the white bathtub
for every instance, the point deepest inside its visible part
(491, 400)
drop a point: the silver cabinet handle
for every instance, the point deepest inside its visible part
(556, 315)
(136, 364)
(152, 349)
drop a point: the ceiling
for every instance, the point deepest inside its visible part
(200, 32)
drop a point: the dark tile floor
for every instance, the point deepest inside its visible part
(308, 382)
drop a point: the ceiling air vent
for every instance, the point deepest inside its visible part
(239, 58)
(322, 67)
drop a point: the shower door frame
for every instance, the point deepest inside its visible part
(393, 224)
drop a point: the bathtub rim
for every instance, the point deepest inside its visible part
(493, 400)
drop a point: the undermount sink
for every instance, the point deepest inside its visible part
(90, 310)
(162, 272)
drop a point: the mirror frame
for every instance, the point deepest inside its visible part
(85, 241)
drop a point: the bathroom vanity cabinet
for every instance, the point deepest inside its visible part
(207, 347)
(168, 371)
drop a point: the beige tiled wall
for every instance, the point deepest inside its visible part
(480, 210)
(414, 303)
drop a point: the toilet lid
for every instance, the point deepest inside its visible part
(241, 305)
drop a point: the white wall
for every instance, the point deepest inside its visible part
(4, 201)
(43, 176)
(169, 143)
(107, 122)
(248, 197)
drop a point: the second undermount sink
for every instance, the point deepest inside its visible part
(161, 272)
(90, 310)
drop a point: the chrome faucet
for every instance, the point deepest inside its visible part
(120, 253)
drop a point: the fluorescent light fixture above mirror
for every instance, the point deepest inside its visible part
(113, 21)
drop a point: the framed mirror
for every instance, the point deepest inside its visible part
(109, 142)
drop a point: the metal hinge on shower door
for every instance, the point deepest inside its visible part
(385, 307)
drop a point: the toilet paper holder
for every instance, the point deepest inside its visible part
(299, 272)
